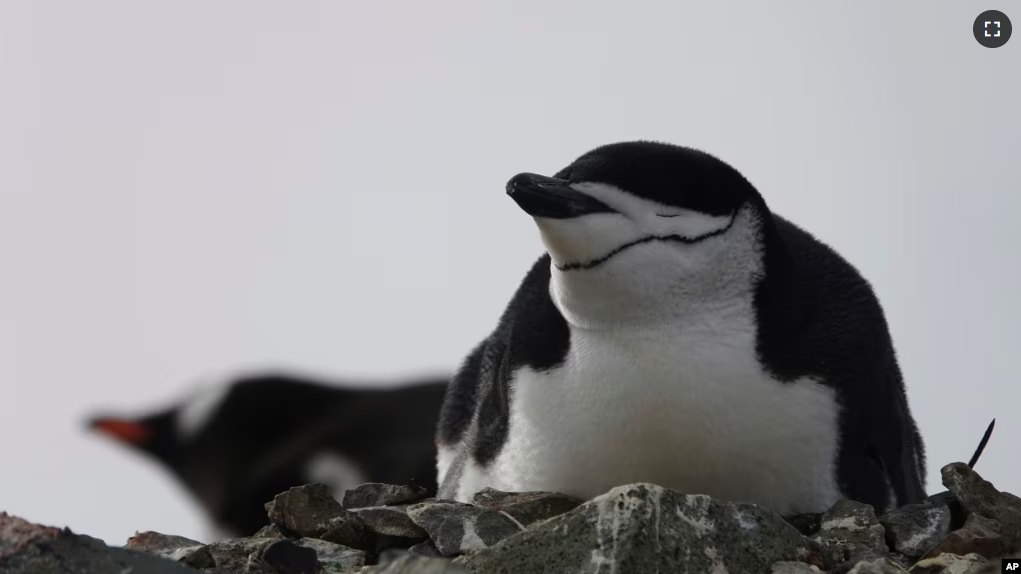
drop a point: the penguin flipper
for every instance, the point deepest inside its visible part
(473, 419)
(457, 412)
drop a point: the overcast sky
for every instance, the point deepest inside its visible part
(193, 188)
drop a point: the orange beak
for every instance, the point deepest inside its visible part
(124, 430)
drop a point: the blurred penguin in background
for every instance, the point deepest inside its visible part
(237, 444)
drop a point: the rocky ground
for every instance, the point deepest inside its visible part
(637, 528)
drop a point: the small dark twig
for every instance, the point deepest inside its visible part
(982, 445)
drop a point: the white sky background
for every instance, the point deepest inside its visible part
(190, 188)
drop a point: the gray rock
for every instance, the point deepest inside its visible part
(379, 494)
(954, 564)
(915, 529)
(426, 548)
(390, 521)
(647, 528)
(27, 548)
(350, 531)
(877, 566)
(412, 564)
(305, 510)
(233, 554)
(456, 528)
(978, 496)
(526, 507)
(979, 535)
(946, 498)
(388, 555)
(178, 548)
(287, 557)
(310, 511)
(901, 560)
(789, 567)
(807, 524)
(334, 558)
(273, 531)
(263, 556)
(850, 531)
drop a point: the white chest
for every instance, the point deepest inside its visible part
(687, 408)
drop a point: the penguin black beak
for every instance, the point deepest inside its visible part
(549, 197)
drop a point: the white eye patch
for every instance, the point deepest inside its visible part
(200, 407)
(655, 218)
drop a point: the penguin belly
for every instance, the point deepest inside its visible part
(690, 409)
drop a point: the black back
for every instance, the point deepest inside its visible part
(259, 439)
(816, 317)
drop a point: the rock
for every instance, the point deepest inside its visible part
(412, 564)
(946, 498)
(233, 554)
(273, 531)
(901, 560)
(286, 557)
(379, 494)
(334, 558)
(156, 543)
(263, 556)
(876, 566)
(310, 511)
(807, 524)
(979, 535)
(526, 507)
(194, 556)
(348, 531)
(633, 528)
(788, 567)
(27, 548)
(426, 548)
(455, 527)
(389, 555)
(647, 528)
(390, 521)
(915, 529)
(953, 564)
(177, 548)
(978, 496)
(849, 530)
(304, 510)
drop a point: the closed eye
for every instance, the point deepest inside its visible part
(668, 214)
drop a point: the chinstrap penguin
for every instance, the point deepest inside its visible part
(678, 332)
(237, 444)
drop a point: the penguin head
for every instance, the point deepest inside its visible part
(234, 444)
(633, 226)
(154, 434)
(166, 434)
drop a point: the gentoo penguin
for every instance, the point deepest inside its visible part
(235, 445)
(677, 332)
